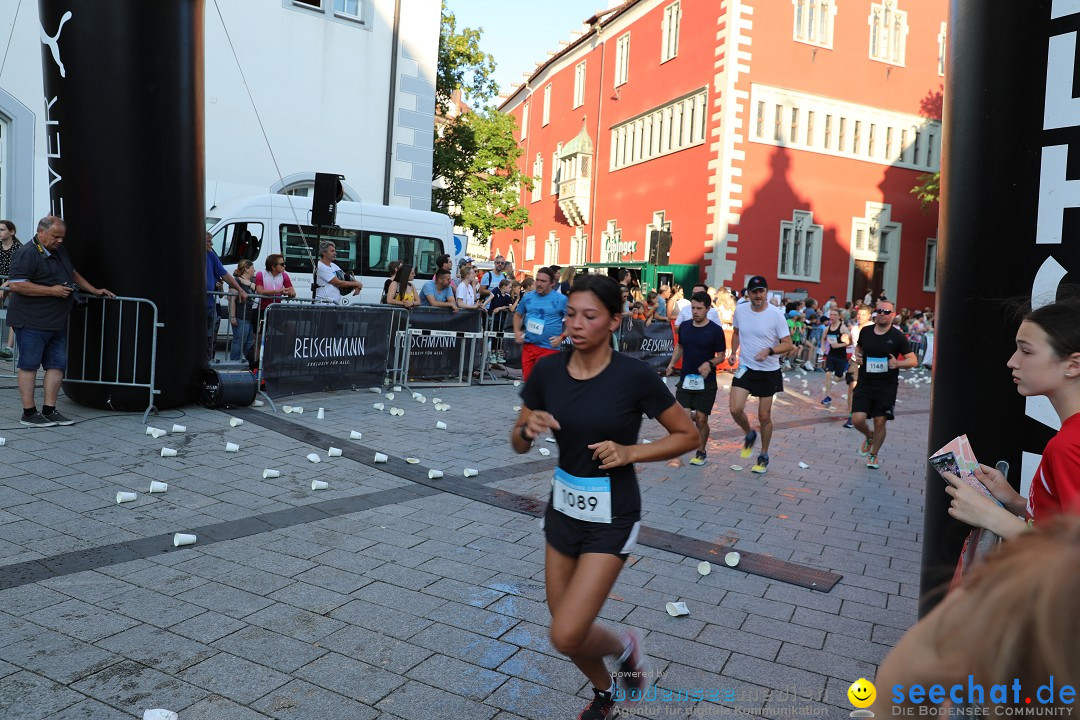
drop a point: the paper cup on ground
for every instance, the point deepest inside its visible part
(553, 440)
(445, 407)
(150, 430)
(434, 474)
(732, 559)
(3, 441)
(397, 388)
(319, 484)
(471, 472)
(232, 447)
(380, 457)
(677, 609)
(321, 414)
(440, 425)
(298, 410)
(377, 391)
(168, 452)
(179, 428)
(389, 396)
(158, 487)
(334, 452)
(437, 401)
(313, 457)
(736, 468)
(182, 539)
(286, 409)
(354, 435)
(257, 403)
(123, 497)
(704, 567)
(517, 408)
(545, 452)
(379, 406)
(235, 422)
(159, 714)
(803, 465)
(516, 383)
(268, 473)
(412, 461)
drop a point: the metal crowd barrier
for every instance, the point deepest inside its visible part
(9, 364)
(117, 359)
(498, 348)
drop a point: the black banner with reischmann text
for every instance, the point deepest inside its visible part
(438, 356)
(311, 348)
(653, 344)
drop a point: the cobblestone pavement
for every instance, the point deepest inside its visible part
(391, 596)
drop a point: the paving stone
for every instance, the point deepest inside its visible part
(684, 627)
(83, 621)
(157, 648)
(467, 617)
(127, 685)
(309, 597)
(549, 671)
(787, 632)
(374, 648)
(411, 601)
(225, 599)
(150, 607)
(695, 654)
(221, 708)
(832, 623)
(233, 677)
(28, 696)
(432, 702)
(386, 619)
(351, 678)
(294, 622)
(29, 598)
(464, 645)
(773, 675)
(536, 702)
(469, 680)
(208, 627)
(299, 700)
(59, 657)
(92, 710)
(271, 649)
(334, 579)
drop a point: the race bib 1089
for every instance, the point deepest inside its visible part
(587, 499)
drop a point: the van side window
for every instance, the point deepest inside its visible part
(384, 248)
(238, 241)
(300, 246)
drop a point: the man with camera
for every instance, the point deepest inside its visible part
(42, 282)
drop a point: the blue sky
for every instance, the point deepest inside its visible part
(518, 35)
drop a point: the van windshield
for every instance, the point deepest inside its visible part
(359, 252)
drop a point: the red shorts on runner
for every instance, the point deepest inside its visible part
(529, 355)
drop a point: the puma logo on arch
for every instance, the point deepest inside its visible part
(53, 43)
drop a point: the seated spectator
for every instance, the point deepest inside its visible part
(437, 291)
(391, 271)
(1012, 621)
(401, 291)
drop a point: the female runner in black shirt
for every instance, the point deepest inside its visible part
(592, 399)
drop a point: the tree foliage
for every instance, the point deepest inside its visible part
(929, 189)
(475, 161)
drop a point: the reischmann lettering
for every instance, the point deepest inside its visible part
(328, 347)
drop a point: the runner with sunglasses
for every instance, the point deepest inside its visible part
(880, 353)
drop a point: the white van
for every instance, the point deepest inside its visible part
(367, 238)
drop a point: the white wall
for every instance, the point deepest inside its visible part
(320, 85)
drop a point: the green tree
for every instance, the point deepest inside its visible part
(929, 189)
(474, 164)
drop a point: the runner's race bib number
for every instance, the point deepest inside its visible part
(741, 371)
(877, 365)
(587, 499)
(534, 326)
(693, 382)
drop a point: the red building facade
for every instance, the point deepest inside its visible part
(772, 137)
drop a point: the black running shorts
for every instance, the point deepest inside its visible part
(874, 401)
(760, 383)
(572, 537)
(837, 366)
(700, 400)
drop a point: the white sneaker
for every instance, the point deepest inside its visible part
(808, 366)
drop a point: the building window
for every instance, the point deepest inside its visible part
(525, 121)
(530, 248)
(678, 125)
(814, 21)
(352, 12)
(538, 177)
(547, 105)
(622, 60)
(888, 32)
(669, 32)
(929, 278)
(850, 130)
(941, 50)
(613, 249)
(556, 169)
(875, 235)
(800, 248)
(577, 247)
(551, 249)
(579, 84)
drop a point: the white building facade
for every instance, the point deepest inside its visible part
(341, 86)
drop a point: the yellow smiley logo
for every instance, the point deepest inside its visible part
(862, 693)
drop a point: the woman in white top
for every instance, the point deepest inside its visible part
(466, 289)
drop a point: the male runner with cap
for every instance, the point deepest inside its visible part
(881, 351)
(760, 330)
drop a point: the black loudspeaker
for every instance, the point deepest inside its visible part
(228, 388)
(328, 193)
(659, 247)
